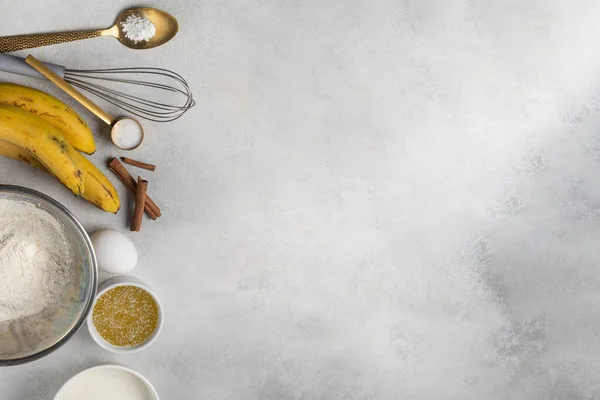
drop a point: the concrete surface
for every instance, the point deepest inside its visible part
(371, 200)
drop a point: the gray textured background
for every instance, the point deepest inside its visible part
(372, 199)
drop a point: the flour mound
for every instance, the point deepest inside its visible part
(35, 259)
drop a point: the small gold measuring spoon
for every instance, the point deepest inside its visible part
(118, 125)
(165, 24)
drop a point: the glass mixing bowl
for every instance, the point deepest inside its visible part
(29, 338)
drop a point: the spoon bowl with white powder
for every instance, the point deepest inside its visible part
(144, 27)
(136, 28)
(48, 275)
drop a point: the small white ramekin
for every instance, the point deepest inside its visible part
(111, 284)
(146, 382)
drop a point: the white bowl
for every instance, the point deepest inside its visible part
(93, 383)
(113, 283)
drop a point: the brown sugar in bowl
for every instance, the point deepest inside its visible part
(127, 316)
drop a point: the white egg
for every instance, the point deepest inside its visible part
(115, 252)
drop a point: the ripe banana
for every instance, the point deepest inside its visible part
(10, 150)
(45, 142)
(51, 109)
(98, 189)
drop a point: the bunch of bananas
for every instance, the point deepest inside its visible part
(42, 131)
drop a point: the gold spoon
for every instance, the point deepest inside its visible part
(165, 24)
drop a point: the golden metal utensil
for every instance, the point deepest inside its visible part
(84, 101)
(167, 95)
(165, 24)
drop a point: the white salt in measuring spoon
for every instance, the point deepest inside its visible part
(126, 133)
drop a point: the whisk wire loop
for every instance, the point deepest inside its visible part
(158, 111)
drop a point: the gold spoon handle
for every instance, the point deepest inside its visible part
(22, 42)
(74, 93)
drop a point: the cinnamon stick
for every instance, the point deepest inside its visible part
(139, 164)
(140, 201)
(150, 206)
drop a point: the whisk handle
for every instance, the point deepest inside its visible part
(17, 65)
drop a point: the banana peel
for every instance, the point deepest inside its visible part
(98, 189)
(51, 110)
(45, 142)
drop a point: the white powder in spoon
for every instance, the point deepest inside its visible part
(138, 28)
(35, 259)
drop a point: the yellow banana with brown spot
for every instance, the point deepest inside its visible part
(45, 142)
(52, 110)
(98, 189)
(13, 151)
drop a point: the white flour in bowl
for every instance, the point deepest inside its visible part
(35, 259)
